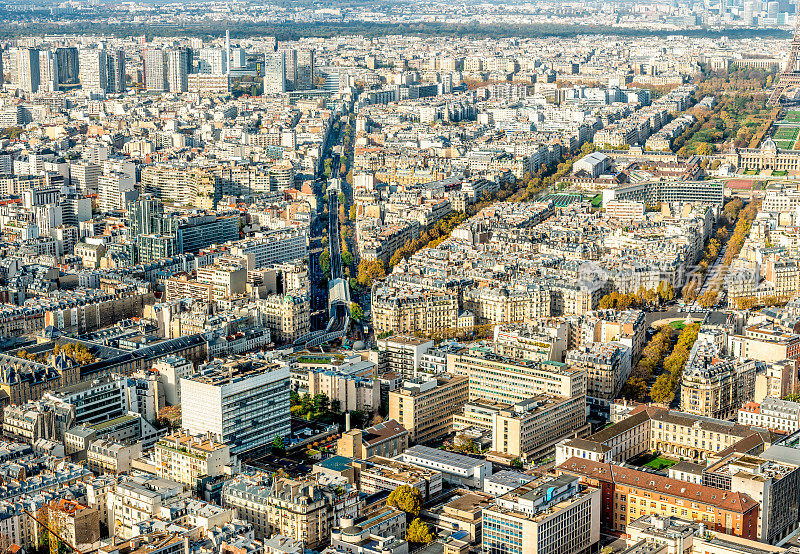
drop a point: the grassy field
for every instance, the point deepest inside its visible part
(793, 116)
(785, 137)
(660, 463)
(677, 325)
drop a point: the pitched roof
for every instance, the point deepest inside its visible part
(719, 498)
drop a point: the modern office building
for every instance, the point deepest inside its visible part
(212, 60)
(557, 515)
(26, 69)
(115, 72)
(241, 402)
(305, 70)
(48, 71)
(177, 60)
(68, 66)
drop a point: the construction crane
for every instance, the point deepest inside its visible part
(54, 538)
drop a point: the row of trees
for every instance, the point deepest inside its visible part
(637, 386)
(643, 297)
(750, 302)
(78, 353)
(430, 238)
(667, 383)
(729, 216)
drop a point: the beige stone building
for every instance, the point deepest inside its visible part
(387, 439)
(501, 305)
(530, 429)
(183, 457)
(499, 379)
(425, 406)
(412, 311)
(288, 317)
(77, 523)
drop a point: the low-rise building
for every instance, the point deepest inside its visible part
(382, 474)
(387, 439)
(456, 469)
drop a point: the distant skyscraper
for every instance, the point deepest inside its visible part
(212, 60)
(177, 70)
(67, 65)
(274, 72)
(305, 70)
(93, 69)
(26, 69)
(48, 71)
(155, 70)
(290, 57)
(238, 58)
(228, 50)
(115, 70)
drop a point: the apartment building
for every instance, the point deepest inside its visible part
(112, 457)
(778, 379)
(551, 514)
(77, 523)
(272, 247)
(304, 510)
(183, 458)
(501, 305)
(425, 405)
(402, 354)
(628, 494)
(403, 311)
(227, 279)
(607, 366)
(774, 414)
(717, 381)
(241, 402)
(767, 342)
(543, 342)
(288, 317)
(352, 385)
(182, 285)
(136, 499)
